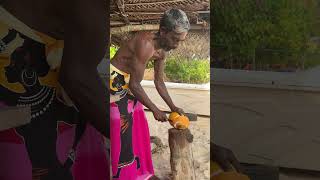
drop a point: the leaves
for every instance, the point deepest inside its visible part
(185, 71)
(246, 25)
(113, 50)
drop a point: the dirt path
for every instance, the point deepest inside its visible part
(201, 147)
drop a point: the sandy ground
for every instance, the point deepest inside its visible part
(272, 127)
(192, 101)
(200, 146)
(199, 102)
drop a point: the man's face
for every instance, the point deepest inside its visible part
(171, 39)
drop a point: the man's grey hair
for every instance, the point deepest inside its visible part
(175, 20)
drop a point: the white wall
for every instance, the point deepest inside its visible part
(303, 80)
(276, 125)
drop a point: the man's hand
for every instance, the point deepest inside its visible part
(160, 116)
(225, 158)
(178, 110)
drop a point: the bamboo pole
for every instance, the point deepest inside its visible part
(149, 27)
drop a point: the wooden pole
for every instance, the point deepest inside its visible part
(149, 27)
(181, 158)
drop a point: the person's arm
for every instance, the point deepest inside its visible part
(142, 52)
(135, 87)
(85, 44)
(136, 77)
(161, 87)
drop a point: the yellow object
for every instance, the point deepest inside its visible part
(215, 168)
(218, 174)
(17, 35)
(116, 73)
(179, 121)
(230, 176)
(118, 83)
(52, 46)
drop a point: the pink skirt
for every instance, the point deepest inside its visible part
(91, 161)
(130, 143)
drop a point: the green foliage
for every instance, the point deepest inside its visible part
(243, 27)
(185, 71)
(150, 64)
(312, 60)
(180, 69)
(113, 50)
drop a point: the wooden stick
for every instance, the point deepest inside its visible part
(181, 158)
(148, 27)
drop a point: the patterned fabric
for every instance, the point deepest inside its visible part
(119, 84)
(37, 146)
(130, 138)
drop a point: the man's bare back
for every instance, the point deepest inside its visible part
(139, 50)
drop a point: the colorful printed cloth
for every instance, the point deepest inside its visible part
(130, 138)
(36, 143)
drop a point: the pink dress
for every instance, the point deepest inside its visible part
(130, 144)
(129, 133)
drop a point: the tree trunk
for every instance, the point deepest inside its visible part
(303, 61)
(181, 158)
(254, 60)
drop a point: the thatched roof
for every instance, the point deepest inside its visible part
(149, 12)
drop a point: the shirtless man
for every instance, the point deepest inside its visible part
(135, 54)
(127, 95)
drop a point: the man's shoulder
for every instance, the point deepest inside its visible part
(144, 33)
(143, 39)
(143, 36)
(142, 45)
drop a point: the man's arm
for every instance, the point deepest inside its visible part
(85, 43)
(143, 51)
(136, 77)
(137, 90)
(161, 87)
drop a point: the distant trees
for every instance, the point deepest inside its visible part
(268, 31)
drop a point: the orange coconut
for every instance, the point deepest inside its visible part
(179, 121)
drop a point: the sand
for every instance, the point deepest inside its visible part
(200, 146)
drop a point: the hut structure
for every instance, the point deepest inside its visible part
(130, 16)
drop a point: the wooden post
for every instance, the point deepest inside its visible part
(148, 27)
(181, 158)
